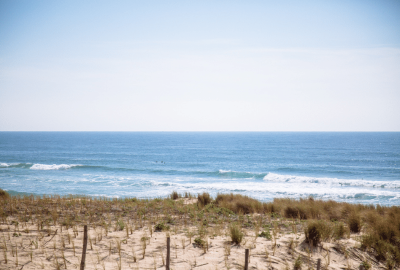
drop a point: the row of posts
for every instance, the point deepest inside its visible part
(246, 256)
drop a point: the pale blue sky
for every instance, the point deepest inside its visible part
(200, 65)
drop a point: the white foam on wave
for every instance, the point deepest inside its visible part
(6, 165)
(238, 174)
(273, 177)
(53, 167)
(263, 190)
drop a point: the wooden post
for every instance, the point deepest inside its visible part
(361, 267)
(319, 264)
(168, 253)
(246, 259)
(84, 247)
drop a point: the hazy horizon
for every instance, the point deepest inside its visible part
(200, 66)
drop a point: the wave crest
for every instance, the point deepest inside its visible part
(7, 165)
(273, 177)
(235, 174)
(53, 167)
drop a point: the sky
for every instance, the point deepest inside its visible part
(200, 65)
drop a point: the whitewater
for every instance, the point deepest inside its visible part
(360, 167)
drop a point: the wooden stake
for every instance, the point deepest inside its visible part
(168, 253)
(246, 259)
(319, 264)
(84, 247)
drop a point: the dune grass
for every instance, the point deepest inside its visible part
(4, 194)
(377, 227)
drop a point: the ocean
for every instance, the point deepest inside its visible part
(355, 167)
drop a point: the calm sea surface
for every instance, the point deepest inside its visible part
(352, 167)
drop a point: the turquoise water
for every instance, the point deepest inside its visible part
(352, 167)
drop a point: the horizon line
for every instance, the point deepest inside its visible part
(206, 131)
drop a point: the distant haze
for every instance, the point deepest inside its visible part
(199, 65)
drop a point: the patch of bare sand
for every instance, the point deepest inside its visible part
(54, 247)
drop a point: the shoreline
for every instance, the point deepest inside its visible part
(206, 233)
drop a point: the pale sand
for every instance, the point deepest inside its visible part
(342, 254)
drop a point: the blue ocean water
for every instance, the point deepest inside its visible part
(354, 167)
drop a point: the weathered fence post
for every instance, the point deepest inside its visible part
(361, 267)
(168, 253)
(319, 264)
(246, 259)
(84, 247)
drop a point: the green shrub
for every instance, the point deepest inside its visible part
(199, 242)
(170, 220)
(223, 211)
(120, 225)
(266, 234)
(161, 227)
(236, 234)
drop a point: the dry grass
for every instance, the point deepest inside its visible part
(48, 230)
(4, 194)
(317, 231)
(239, 203)
(236, 234)
(175, 195)
(204, 199)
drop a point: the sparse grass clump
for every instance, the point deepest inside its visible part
(120, 225)
(199, 242)
(236, 234)
(204, 199)
(266, 234)
(175, 195)
(298, 263)
(317, 231)
(4, 194)
(354, 222)
(340, 231)
(366, 265)
(161, 227)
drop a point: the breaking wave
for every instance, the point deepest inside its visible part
(53, 167)
(235, 174)
(273, 177)
(15, 165)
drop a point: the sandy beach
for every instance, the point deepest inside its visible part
(47, 233)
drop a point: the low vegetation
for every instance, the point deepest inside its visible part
(4, 194)
(236, 234)
(175, 195)
(204, 199)
(377, 228)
